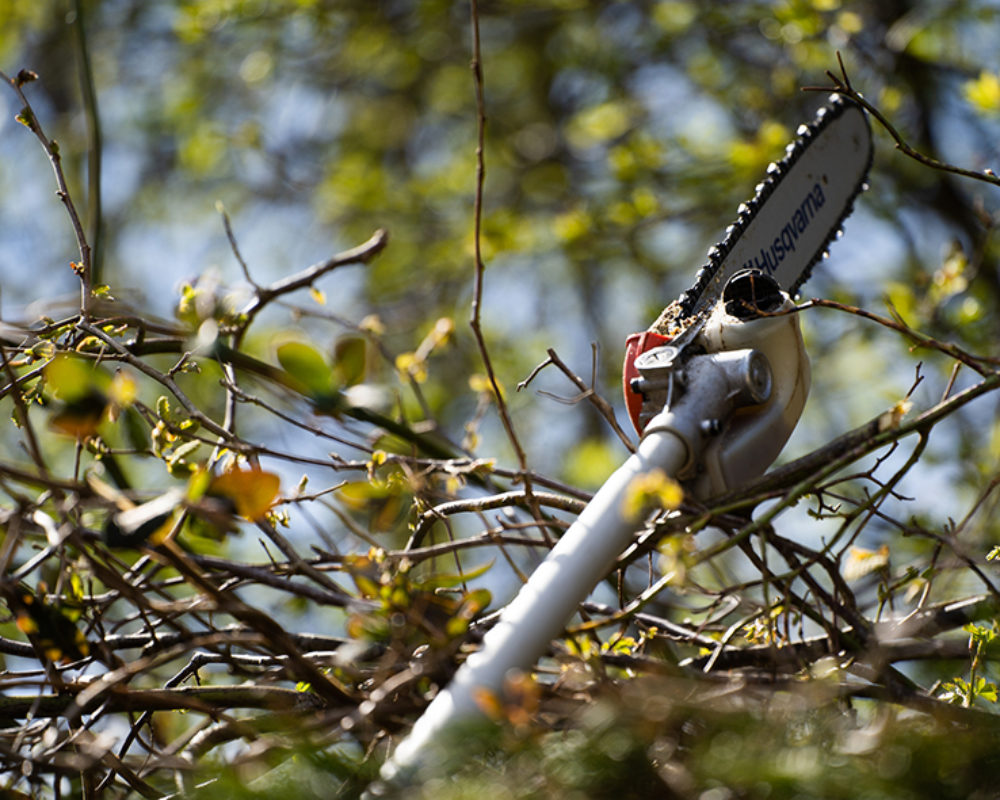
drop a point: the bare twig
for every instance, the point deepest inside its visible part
(477, 230)
(589, 393)
(95, 145)
(28, 119)
(428, 518)
(307, 277)
(974, 362)
(22, 410)
(235, 247)
(842, 86)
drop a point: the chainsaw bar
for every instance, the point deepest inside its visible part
(797, 210)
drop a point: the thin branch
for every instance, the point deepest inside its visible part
(27, 118)
(970, 360)
(190, 407)
(477, 224)
(307, 277)
(498, 536)
(234, 246)
(842, 86)
(590, 393)
(22, 411)
(95, 145)
(207, 699)
(479, 504)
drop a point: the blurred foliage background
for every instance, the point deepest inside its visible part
(620, 138)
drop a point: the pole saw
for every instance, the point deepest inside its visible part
(714, 387)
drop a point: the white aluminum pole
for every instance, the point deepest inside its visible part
(585, 553)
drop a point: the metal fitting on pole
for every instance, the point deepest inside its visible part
(714, 385)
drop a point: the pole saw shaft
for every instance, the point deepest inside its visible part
(716, 384)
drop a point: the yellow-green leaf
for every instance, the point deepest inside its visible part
(590, 463)
(71, 378)
(599, 123)
(448, 581)
(653, 488)
(984, 92)
(349, 359)
(306, 366)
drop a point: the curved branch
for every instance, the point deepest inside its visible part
(30, 121)
(300, 280)
(842, 86)
(479, 504)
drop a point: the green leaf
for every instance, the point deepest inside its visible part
(955, 691)
(71, 378)
(307, 368)
(449, 581)
(349, 357)
(40, 351)
(986, 690)
(472, 603)
(25, 117)
(980, 634)
(984, 92)
(590, 462)
(182, 453)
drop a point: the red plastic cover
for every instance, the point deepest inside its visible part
(635, 346)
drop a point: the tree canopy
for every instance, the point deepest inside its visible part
(311, 346)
